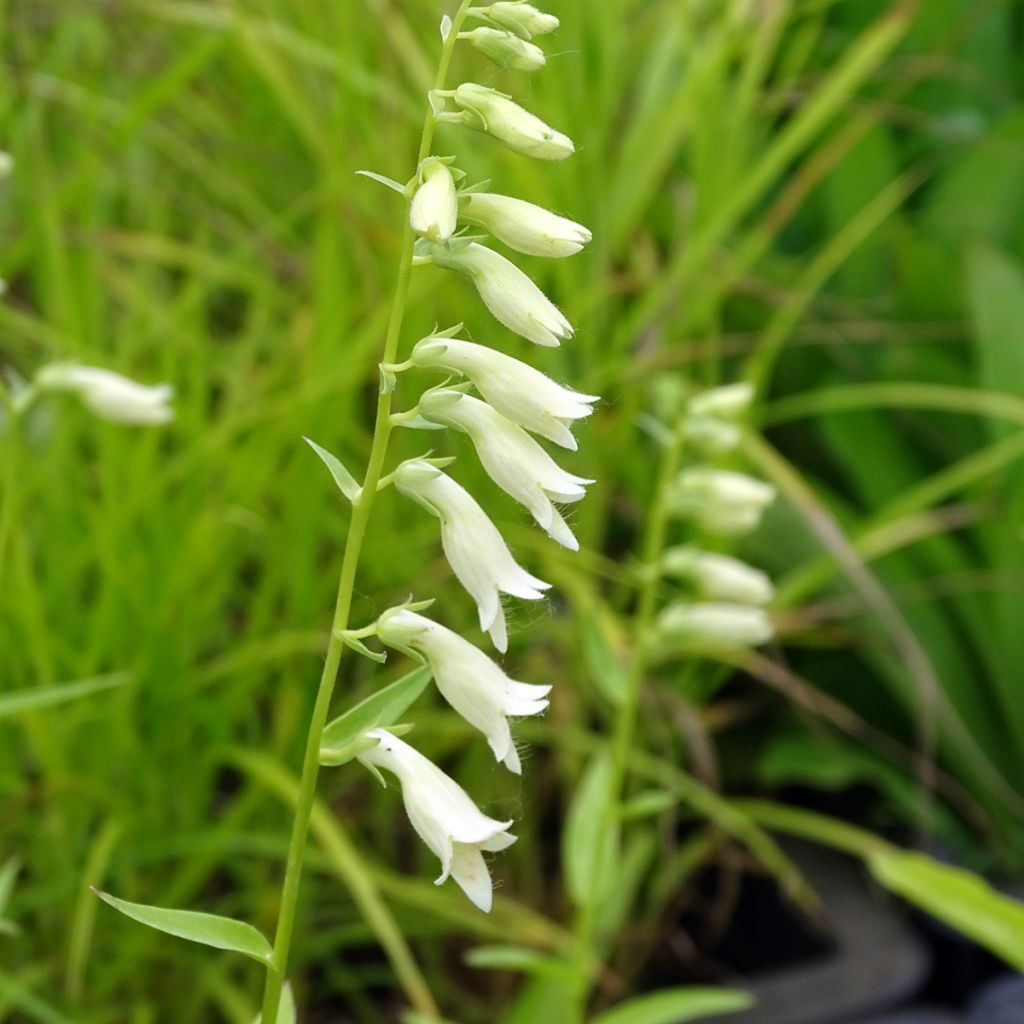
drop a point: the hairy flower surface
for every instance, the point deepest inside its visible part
(524, 226)
(435, 207)
(726, 626)
(475, 549)
(473, 684)
(507, 49)
(493, 112)
(520, 17)
(443, 815)
(720, 500)
(514, 388)
(109, 395)
(512, 459)
(507, 292)
(719, 576)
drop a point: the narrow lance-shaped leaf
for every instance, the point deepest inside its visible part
(341, 738)
(676, 1006)
(38, 698)
(8, 873)
(206, 929)
(591, 835)
(342, 477)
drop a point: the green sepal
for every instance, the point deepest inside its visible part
(383, 179)
(344, 739)
(349, 639)
(342, 477)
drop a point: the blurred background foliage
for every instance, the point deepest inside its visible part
(824, 197)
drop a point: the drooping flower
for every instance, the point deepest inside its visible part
(475, 549)
(512, 459)
(507, 49)
(507, 292)
(524, 226)
(109, 395)
(490, 111)
(473, 684)
(714, 625)
(514, 388)
(443, 815)
(719, 576)
(719, 500)
(519, 16)
(435, 206)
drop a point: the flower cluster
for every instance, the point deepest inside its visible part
(514, 404)
(725, 607)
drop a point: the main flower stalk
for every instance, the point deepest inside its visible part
(350, 564)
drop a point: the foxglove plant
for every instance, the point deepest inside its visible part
(515, 402)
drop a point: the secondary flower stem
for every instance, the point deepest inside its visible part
(350, 563)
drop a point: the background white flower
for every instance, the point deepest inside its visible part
(719, 576)
(444, 816)
(109, 395)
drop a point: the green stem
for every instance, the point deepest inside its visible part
(626, 717)
(350, 564)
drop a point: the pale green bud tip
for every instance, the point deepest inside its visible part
(728, 402)
(722, 626)
(521, 17)
(495, 113)
(718, 576)
(6, 164)
(435, 206)
(507, 49)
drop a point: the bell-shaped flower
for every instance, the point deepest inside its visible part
(473, 684)
(514, 388)
(520, 17)
(719, 500)
(475, 549)
(719, 626)
(524, 226)
(443, 815)
(512, 459)
(490, 111)
(435, 206)
(109, 395)
(718, 576)
(506, 49)
(507, 292)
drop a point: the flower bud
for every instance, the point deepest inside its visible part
(722, 626)
(514, 388)
(475, 549)
(490, 111)
(508, 293)
(719, 500)
(512, 459)
(710, 436)
(435, 206)
(473, 685)
(719, 576)
(520, 17)
(443, 815)
(523, 226)
(6, 164)
(727, 403)
(507, 49)
(109, 395)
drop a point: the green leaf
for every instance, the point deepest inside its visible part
(516, 958)
(8, 873)
(341, 739)
(675, 1006)
(603, 662)
(590, 839)
(959, 898)
(45, 697)
(286, 1012)
(342, 477)
(207, 929)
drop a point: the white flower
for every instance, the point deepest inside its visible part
(473, 685)
(507, 292)
(435, 206)
(443, 815)
(109, 395)
(719, 500)
(724, 626)
(512, 459)
(506, 49)
(727, 403)
(719, 576)
(524, 226)
(710, 436)
(514, 388)
(475, 549)
(520, 17)
(490, 111)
